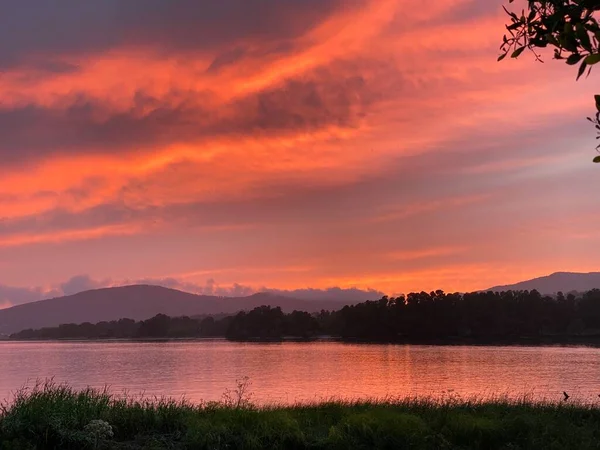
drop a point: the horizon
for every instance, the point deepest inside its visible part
(249, 146)
(82, 284)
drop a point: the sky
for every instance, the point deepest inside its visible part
(241, 145)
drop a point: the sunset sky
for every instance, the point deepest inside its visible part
(235, 145)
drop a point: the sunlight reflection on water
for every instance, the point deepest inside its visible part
(301, 372)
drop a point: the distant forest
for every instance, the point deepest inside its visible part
(435, 316)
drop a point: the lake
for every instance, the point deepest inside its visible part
(301, 372)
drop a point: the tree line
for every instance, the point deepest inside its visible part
(439, 316)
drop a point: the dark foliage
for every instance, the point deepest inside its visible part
(58, 417)
(476, 316)
(271, 323)
(479, 316)
(569, 27)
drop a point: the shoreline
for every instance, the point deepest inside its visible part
(545, 341)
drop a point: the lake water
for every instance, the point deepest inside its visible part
(300, 372)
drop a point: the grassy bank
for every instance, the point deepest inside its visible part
(52, 416)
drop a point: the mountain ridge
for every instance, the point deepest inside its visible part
(140, 302)
(556, 282)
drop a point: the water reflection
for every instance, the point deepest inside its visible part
(299, 372)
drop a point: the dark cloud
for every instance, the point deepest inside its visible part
(29, 28)
(63, 220)
(308, 105)
(209, 288)
(336, 96)
(15, 295)
(33, 131)
(226, 58)
(12, 296)
(80, 283)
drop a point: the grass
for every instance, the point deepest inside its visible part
(51, 416)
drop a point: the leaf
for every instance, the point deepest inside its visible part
(592, 59)
(568, 29)
(583, 37)
(597, 98)
(574, 59)
(552, 40)
(597, 159)
(511, 14)
(581, 69)
(557, 54)
(517, 52)
(502, 56)
(570, 44)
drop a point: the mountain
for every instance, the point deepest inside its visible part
(140, 302)
(556, 282)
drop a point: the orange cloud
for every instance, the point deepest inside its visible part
(374, 116)
(70, 235)
(409, 255)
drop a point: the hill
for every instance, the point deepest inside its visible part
(556, 282)
(139, 302)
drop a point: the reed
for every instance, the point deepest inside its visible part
(52, 416)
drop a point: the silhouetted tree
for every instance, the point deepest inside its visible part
(438, 316)
(300, 324)
(263, 322)
(157, 326)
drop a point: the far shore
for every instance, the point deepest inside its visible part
(538, 341)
